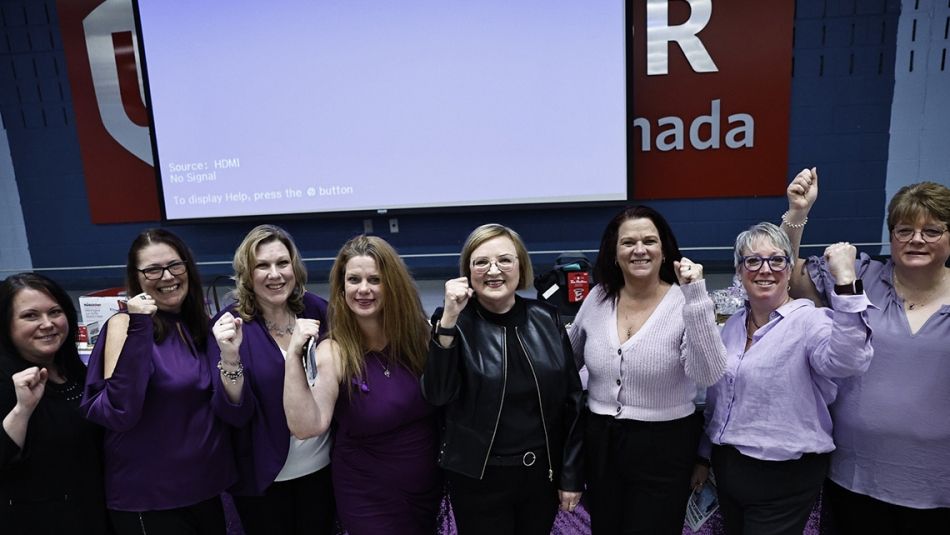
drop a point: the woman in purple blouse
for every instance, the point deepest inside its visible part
(767, 418)
(167, 457)
(284, 484)
(890, 472)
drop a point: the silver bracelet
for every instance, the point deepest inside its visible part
(789, 224)
(231, 376)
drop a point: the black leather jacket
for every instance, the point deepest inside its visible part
(468, 379)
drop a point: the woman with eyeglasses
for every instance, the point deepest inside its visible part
(891, 468)
(767, 419)
(648, 336)
(149, 384)
(502, 368)
(284, 484)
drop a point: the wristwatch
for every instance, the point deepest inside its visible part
(856, 287)
(442, 331)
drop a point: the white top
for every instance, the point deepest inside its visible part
(305, 456)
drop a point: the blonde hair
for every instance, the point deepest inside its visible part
(491, 231)
(245, 258)
(404, 322)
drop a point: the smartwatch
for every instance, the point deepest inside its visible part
(856, 287)
(442, 331)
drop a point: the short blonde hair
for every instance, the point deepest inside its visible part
(245, 258)
(491, 231)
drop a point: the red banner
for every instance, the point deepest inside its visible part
(711, 92)
(106, 80)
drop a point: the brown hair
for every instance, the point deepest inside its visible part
(927, 199)
(404, 322)
(607, 272)
(193, 312)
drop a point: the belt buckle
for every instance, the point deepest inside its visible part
(529, 458)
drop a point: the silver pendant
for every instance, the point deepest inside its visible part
(386, 372)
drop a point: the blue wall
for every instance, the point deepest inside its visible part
(843, 84)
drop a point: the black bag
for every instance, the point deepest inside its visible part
(567, 284)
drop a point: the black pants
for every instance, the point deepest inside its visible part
(509, 500)
(853, 513)
(638, 473)
(302, 505)
(767, 497)
(202, 518)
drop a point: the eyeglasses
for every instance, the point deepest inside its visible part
(157, 272)
(755, 262)
(503, 263)
(905, 234)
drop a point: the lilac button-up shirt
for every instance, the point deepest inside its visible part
(892, 424)
(772, 403)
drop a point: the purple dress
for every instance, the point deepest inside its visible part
(383, 460)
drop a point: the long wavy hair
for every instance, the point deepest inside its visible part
(193, 313)
(606, 271)
(67, 356)
(245, 258)
(404, 322)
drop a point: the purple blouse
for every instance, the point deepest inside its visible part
(164, 448)
(892, 425)
(772, 402)
(263, 438)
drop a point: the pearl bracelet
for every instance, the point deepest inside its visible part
(789, 224)
(231, 376)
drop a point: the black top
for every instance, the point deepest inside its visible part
(519, 427)
(468, 379)
(54, 484)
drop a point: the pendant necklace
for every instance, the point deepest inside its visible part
(927, 297)
(385, 368)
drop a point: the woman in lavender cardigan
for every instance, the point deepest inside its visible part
(647, 335)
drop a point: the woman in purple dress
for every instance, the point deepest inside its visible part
(383, 462)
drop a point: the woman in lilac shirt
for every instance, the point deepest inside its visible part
(890, 472)
(767, 418)
(167, 458)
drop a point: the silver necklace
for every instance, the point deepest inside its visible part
(279, 331)
(385, 368)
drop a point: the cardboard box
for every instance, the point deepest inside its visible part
(97, 307)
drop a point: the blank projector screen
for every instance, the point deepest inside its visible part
(305, 106)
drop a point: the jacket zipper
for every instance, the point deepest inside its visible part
(501, 403)
(537, 387)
